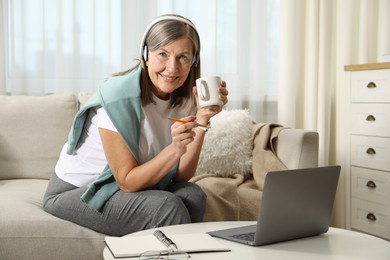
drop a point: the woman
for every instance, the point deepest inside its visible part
(125, 166)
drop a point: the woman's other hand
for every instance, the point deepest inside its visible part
(204, 114)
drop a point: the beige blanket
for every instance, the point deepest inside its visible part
(264, 153)
(238, 198)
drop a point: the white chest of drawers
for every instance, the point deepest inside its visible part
(367, 129)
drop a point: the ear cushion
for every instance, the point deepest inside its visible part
(145, 53)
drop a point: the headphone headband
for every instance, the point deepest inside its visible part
(143, 46)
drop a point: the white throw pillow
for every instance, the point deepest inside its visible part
(227, 147)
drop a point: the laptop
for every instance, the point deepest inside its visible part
(295, 204)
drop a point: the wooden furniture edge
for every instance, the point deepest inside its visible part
(368, 66)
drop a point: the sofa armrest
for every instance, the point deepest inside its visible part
(297, 148)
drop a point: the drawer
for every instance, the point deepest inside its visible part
(371, 218)
(370, 119)
(370, 152)
(370, 185)
(370, 86)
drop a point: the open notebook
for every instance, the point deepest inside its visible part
(133, 246)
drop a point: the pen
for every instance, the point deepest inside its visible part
(183, 121)
(164, 239)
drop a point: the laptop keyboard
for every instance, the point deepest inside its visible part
(245, 236)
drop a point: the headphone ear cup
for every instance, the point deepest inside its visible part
(145, 53)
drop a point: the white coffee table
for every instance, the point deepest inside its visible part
(336, 244)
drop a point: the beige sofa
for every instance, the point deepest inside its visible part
(32, 132)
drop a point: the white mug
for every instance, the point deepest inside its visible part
(208, 94)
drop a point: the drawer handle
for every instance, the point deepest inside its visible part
(371, 217)
(371, 184)
(370, 151)
(370, 118)
(371, 85)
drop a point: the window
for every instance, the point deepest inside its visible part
(58, 45)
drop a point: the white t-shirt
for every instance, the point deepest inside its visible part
(88, 161)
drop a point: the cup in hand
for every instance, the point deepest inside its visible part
(208, 94)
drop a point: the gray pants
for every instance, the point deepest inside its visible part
(127, 212)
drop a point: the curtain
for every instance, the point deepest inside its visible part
(57, 45)
(2, 51)
(68, 45)
(319, 37)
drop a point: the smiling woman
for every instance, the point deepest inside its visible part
(166, 56)
(124, 153)
(169, 66)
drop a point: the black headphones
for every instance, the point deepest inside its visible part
(144, 47)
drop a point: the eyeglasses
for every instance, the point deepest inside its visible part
(165, 254)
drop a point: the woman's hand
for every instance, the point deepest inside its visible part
(204, 114)
(183, 134)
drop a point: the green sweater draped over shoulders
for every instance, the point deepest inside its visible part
(120, 97)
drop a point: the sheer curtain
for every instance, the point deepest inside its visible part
(64, 45)
(56, 46)
(2, 51)
(319, 37)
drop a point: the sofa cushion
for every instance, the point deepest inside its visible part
(227, 147)
(28, 232)
(83, 97)
(33, 130)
